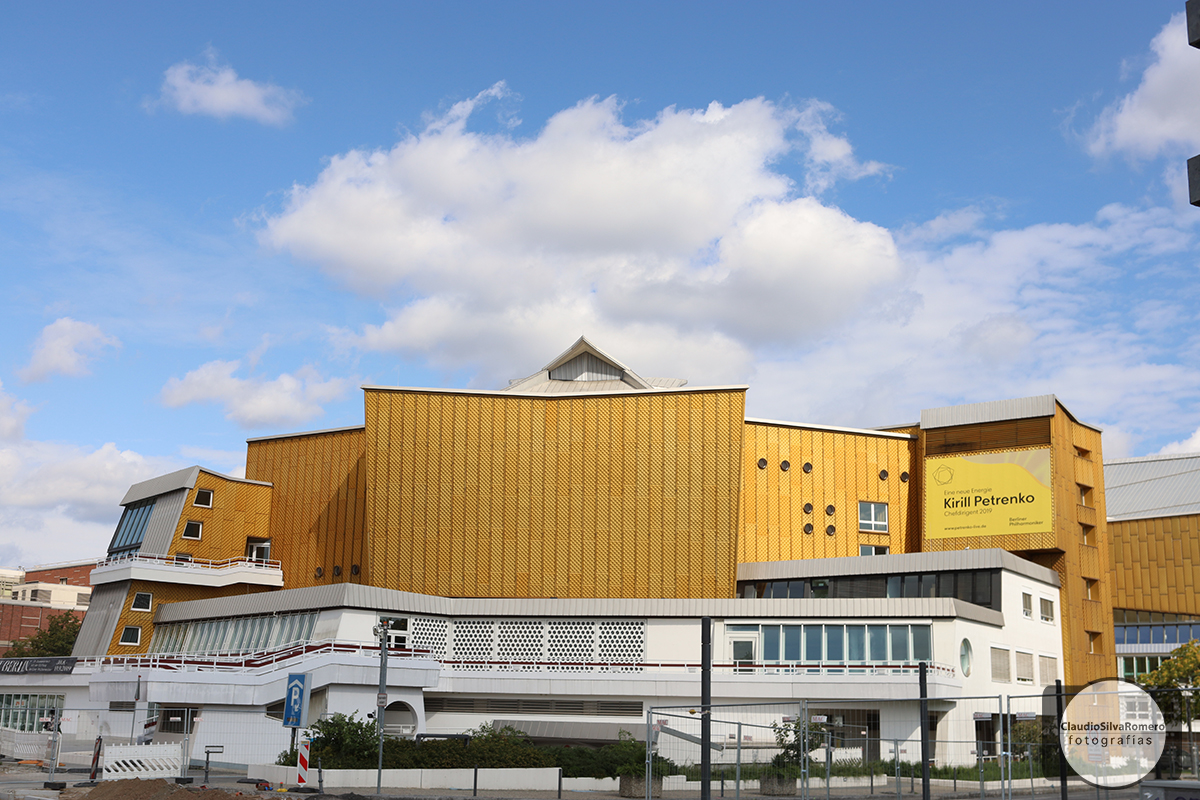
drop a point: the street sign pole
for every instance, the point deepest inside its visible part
(381, 630)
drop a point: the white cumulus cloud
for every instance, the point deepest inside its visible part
(682, 224)
(1163, 113)
(64, 347)
(13, 413)
(215, 90)
(255, 402)
(1188, 445)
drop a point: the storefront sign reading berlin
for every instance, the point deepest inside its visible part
(1112, 733)
(988, 494)
(60, 665)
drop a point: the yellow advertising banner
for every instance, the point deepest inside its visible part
(989, 494)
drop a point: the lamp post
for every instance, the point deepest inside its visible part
(1193, 164)
(381, 631)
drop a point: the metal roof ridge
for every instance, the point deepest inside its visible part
(1150, 458)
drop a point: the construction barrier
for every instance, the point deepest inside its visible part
(143, 761)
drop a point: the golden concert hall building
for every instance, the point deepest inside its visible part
(587, 481)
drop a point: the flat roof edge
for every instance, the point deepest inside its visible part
(830, 428)
(306, 433)
(564, 395)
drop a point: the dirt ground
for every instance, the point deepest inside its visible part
(134, 789)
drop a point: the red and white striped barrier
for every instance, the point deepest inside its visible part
(302, 762)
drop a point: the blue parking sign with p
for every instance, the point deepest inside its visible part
(295, 701)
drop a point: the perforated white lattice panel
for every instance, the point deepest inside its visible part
(473, 640)
(429, 633)
(571, 641)
(519, 640)
(623, 642)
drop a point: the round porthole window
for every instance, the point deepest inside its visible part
(762, 463)
(807, 467)
(904, 477)
(965, 657)
(785, 465)
(831, 530)
(808, 527)
(883, 474)
(808, 508)
(829, 510)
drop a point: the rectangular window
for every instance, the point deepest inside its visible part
(83, 598)
(1024, 667)
(1000, 666)
(1047, 610)
(1093, 643)
(1048, 669)
(872, 549)
(834, 643)
(791, 642)
(204, 498)
(258, 549)
(812, 642)
(62, 581)
(1092, 588)
(856, 640)
(922, 643)
(1087, 532)
(770, 639)
(192, 529)
(141, 602)
(899, 642)
(1085, 495)
(872, 516)
(877, 639)
(1027, 605)
(131, 635)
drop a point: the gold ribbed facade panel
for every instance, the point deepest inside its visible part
(317, 504)
(845, 469)
(162, 593)
(512, 496)
(1156, 564)
(240, 511)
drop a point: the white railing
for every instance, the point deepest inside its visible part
(190, 563)
(274, 659)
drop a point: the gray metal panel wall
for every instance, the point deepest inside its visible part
(1153, 486)
(100, 621)
(587, 367)
(160, 529)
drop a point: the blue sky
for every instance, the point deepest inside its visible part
(219, 222)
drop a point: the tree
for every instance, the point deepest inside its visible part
(57, 639)
(1173, 685)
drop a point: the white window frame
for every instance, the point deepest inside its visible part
(1032, 679)
(199, 532)
(137, 638)
(871, 522)
(1027, 604)
(1042, 609)
(992, 662)
(196, 501)
(149, 601)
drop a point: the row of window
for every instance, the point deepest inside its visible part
(981, 587)
(23, 712)
(131, 529)
(1156, 634)
(1003, 672)
(1132, 667)
(881, 644)
(241, 635)
(1122, 616)
(1045, 607)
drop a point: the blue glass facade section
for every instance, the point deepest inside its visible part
(132, 528)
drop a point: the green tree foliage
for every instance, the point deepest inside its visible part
(56, 640)
(1173, 685)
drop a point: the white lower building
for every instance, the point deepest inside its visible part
(839, 638)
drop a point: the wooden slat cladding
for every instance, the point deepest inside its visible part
(988, 436)
(1156, 564)
(482, 495)
(318, 502)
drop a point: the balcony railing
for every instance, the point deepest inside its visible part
(280, 657)
(189, 563)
